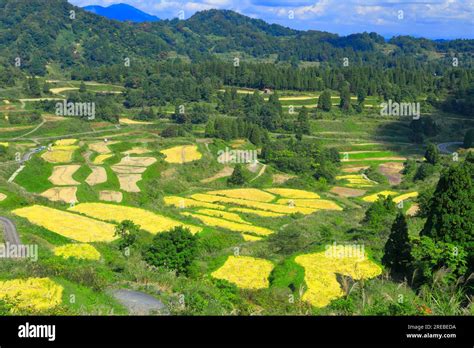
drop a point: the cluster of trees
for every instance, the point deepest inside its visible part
(447, 238)
(302, 157)
(228, 128)
(423, 127)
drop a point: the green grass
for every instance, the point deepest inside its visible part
(34, 177)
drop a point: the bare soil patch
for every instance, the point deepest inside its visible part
(282, 178)
(392, 170)
(128, 182)
(111, 196)
(61, 194)
(62, 175)
(226, 171)
(98, 176)
(347, 192)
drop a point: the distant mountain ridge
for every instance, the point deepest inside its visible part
(122, 12)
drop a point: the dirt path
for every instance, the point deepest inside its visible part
(10, 232)
(139, 303)
(260, 173)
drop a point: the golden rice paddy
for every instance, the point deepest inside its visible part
(246, 272)
(147, 220)
(58, 156)
(73, 226)
(182, 154)
(262, 213)
(183, 203)
(224, 215)
(276, 208)
(32, 294)
(321, 268)
(292, 193)
(374, 197)
(229, 225)
(311, 203)
(405, 196)
(78, 251)
(100, 159)
(356, 180)
(249, 194)
(65, 142)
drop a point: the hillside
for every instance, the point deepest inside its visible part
(42, 32)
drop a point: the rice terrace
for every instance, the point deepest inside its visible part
(343, 210)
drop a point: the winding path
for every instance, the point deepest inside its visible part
(10, 232)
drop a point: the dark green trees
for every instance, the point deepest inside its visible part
(237, 178)
(432, 154)
(451, 214)
(174, 250)
(127, 232)
(469, 139)
(324, 101)
(397, 252)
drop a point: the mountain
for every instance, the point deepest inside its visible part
(41, 32)
(122, 12)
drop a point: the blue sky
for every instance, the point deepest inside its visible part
(435, 19)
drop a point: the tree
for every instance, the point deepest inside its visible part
(423, 172)
(345, 103)
(127, 231)
(469, 139)
(451, 211)
(397, 252)
(302, 124)
(175, 250)
(432, 154)
(82, 87)
(324, 101)
(237, 177)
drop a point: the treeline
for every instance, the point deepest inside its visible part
(228, 128)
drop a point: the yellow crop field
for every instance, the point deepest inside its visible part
(78, 251)
(311, 203)
(100, 159)
(374, 197)
(250, 238)
(73, 226)
(262, 213)
(224, 215)
(292, 193)
(321, 268)
(356, 180)
(276, 208)
(248, 194)
(246, 272)
(182, 154)
(230, 225)
(148, 221)
(405, 196)
(65, 142)
(183, 203)
(34, 294)
(58, 156)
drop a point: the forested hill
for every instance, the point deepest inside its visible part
(44, 31)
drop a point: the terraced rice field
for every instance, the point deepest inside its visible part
(182, 203)
(224, 215)
(356, 180)
(405, 196)
(321, 268)
(245, 272)
(59, 154)
(100, 159)
(31, 294)
(276, 208)
(98, 176)
(249, 194)
(62, 175)
(111, 196)
(262, 213)
(61, 194)
(77, 251)
(230, 225)
(129, 171)
(182, 154)
(375, 196)
(147, 220)
(292, 193)
(73, 226)
(322, 204)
